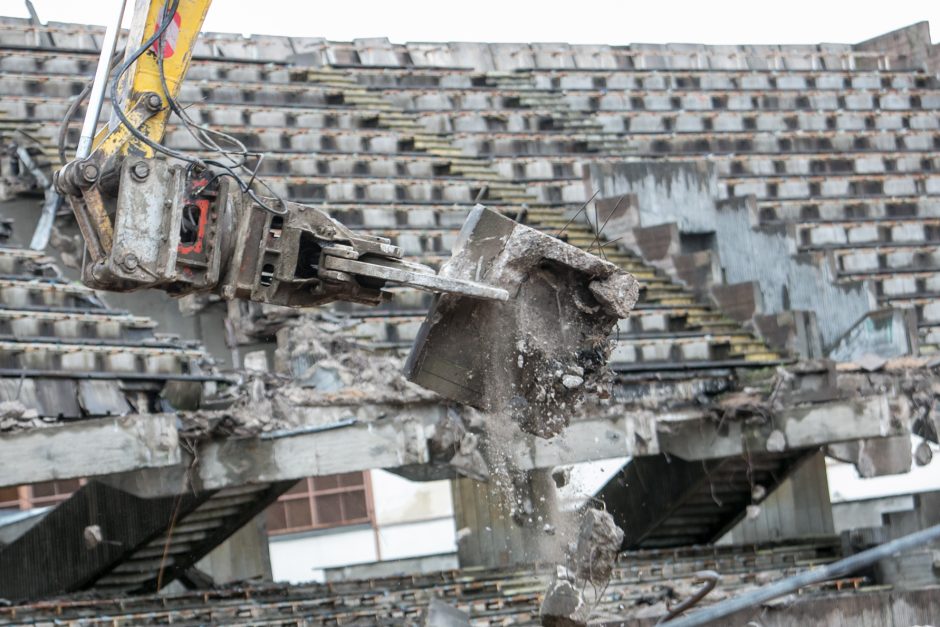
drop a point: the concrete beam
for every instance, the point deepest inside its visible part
(88, 448)
(385, 443)
(141, 453)
(794, 428)
(397, 440)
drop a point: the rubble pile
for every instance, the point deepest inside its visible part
(326, 365)
(15, 416)
(317, 364)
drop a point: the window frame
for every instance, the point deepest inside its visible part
(27, 500)
(310, 495)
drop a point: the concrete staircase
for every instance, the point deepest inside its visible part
(106, 538)
(663, 502)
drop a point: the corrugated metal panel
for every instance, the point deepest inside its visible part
(102, 398)
(58, 398)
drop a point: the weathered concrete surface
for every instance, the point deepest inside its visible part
(798, 508)
(402, 439)
(801, 428)
(907, 47)
(805, 406)
(244, 556)
(875, 457)
(687, 195)
(89, 448)
(886, 333)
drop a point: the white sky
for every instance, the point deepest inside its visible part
(572, 21)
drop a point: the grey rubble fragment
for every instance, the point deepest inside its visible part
(441, 614)
(563, 605)
(14, 416)
(598, 544)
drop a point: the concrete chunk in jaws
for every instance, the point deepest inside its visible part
(522, 357)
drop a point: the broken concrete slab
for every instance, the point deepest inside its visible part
(876, 457)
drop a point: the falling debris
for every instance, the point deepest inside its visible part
(441, 614)
(591, 558)
(92, 536)
(563, 605)
(561, 476)
(599, 542)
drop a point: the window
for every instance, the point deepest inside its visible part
(10, 498)
(43, 494)
(322, 502)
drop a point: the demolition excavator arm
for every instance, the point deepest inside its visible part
(155, 217)
(520, 323)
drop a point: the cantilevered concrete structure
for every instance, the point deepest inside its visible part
(778, 204)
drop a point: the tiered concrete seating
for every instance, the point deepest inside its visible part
(809, 142)
(403, 138)
(66, 354)
(490, 597)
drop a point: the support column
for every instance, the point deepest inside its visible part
(502, 525)
(243, 556)
(799, 508)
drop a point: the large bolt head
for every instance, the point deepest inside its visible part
(154, 102)
(141, 170)
(89, 172)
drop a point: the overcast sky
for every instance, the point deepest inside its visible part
(574, 21)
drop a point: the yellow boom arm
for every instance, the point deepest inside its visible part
(143, 77)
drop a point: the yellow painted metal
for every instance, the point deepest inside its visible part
(144, 75)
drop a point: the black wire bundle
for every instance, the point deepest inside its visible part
(202, 134)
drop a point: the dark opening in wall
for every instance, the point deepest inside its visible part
(901, 210)
(809, 212)
(696, 242)
(855, 210)
(267, 274)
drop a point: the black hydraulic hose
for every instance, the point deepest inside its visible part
(840, 568)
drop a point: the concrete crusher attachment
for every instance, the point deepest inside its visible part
(534, 356)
